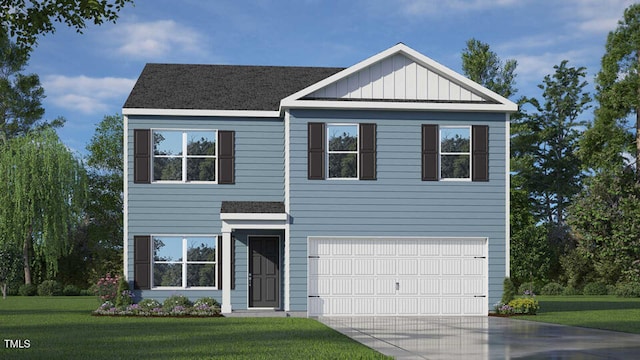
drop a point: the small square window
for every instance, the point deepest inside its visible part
(455, 152)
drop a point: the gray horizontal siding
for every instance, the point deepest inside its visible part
(398, 203)
(184, 209)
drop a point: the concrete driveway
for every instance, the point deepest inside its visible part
(483, 338)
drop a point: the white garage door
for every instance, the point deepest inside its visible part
(397, 276)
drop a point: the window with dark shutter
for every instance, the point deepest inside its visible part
(430, 152)
(226, 157)
(316, 151)
(367, 151)
(142, 262)
(480, 153)
(142, 156)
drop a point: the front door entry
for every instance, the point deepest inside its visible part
(264, 271)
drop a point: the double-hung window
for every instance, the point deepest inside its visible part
(455, 152)
(184, 261)
(342, 151)
(184, 156)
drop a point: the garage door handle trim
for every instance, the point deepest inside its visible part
(479, 295)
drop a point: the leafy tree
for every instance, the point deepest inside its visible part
(26, 20)
(546, 164)
(21, 106)
(483, 66)
(9, 266)
(42, 192)
(618, 93)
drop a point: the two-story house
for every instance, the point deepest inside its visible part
(378, 189)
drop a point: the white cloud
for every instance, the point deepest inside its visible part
(156, 39)
(433, 7)
(87, 95)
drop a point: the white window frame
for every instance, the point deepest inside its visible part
(184, 262)
(329, 152)
(184, 157)
(441, 153)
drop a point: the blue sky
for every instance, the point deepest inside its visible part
(87, 76)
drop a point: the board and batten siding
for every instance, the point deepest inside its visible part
(398, 203)
(184, 209)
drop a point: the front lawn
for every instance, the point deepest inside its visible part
(599, 312)
(63, 328)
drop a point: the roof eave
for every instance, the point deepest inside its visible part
(398, 106)
(201, 112)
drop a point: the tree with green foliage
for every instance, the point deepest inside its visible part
(42, 192)
(618, 94)
(21, 106)
(545, 163)
(483, 66)
(26, 20)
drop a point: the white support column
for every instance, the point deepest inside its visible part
(226, 271)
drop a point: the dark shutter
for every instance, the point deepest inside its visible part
(430, 152)
(142, 262)
(142, 156)
(316, 143)
(480, 153)
(226, 157)
(219, 260)
(367, 151)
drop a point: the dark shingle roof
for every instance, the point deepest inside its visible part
(260, 207)
(220, 87)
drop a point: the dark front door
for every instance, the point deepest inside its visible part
(264, 271)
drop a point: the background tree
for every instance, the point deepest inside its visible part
(42, 192)
(546, 164)
(26, 20)
(483, 66)
(21, 105)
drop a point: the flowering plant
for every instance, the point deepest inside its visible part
(107, 288)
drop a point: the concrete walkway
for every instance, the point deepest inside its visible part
(483, 338)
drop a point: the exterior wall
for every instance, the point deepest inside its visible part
(184, 209)
(398, 203)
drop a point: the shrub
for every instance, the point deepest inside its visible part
(571, 291)
(149, 304)
(206, 301)
(528, 288)
(49, 288)
(552, 288)
(86, 292)
(28, 290)
(628, 289)
(509, 291)
(124, 297)
(71, 290)
(176, 300)
(528, 306)
(595, 288)
(107, 288)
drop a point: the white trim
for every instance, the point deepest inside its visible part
(227, 243)
(441, 153)
(504, 104)
(280, 302)
(125, 197)
(507, 189)
(192, 112)
(257, 217)
(287, 209)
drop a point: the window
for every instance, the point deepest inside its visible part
(342, 151)
(184, 156)
(184, 261)
(455, 152)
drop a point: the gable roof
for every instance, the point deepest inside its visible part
(220, 87)
(399, 78)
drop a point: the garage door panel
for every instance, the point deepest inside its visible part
(391, 276)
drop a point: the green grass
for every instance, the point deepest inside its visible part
(62, 328)
(599, 312)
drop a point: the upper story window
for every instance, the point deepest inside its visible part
(184, 261)
(342, 151)
(184, 156)
(455, 152)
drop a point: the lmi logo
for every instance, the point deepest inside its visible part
(17, 344)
